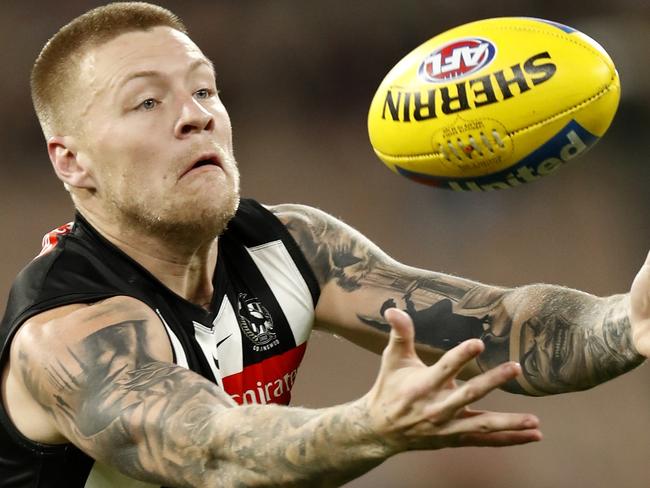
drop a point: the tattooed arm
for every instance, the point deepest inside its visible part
(564, 339)
(101, 377)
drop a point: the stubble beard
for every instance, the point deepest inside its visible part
(188, 222)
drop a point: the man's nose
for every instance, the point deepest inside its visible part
(194, 117)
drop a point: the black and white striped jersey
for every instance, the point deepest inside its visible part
(250, 343)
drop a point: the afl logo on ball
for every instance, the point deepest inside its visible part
(457, 59)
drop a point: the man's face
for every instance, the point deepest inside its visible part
(155, 134)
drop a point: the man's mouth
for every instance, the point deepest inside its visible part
(205, 160)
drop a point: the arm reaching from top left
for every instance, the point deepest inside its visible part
(565, 340)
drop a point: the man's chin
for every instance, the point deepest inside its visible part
(188, 224)
(203, 223)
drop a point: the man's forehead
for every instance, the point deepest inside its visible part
(141, 50)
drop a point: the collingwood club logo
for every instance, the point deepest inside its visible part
(256, 323)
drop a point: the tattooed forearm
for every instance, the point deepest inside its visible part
(299, 447)
(163, 424)
(564, 339)
(568, 340)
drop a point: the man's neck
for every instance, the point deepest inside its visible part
(186, 269)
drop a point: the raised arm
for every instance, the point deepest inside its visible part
(103, 377)
(565, 340)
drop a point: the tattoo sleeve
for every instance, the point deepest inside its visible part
(564, 339)
(157, 422)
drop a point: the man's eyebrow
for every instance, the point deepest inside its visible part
(197, 63)
(202, 62)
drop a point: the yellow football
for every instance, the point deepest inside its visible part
(493, 104)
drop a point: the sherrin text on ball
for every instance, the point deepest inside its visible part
(493, 104)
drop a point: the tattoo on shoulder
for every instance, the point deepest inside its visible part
(108, 392)
(327, 245)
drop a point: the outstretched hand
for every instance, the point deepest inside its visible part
(415, 406)
(640, 309)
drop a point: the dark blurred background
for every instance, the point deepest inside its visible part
(297, 78)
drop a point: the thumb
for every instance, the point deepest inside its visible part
(640, 309)
(402, 333)
(640, 293)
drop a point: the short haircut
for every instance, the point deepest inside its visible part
(56, 69)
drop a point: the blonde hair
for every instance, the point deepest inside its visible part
(56, 68)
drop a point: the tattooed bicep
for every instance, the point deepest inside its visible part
(53, 348)
(110, 387)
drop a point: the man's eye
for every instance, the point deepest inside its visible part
(148, 104)
(202, 94)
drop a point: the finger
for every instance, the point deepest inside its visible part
(400, 343)
(478, 387)
(450, 364)
(489, 422)
(499, 439)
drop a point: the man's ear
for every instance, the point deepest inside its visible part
(67, 164)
